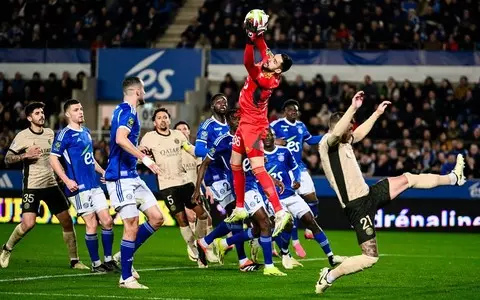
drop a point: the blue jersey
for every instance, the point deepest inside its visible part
(122, 164)
(221, 153)
(279, 164)
(75, 149)
(208, 132)
(295, 134)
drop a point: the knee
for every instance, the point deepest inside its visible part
(91, 225)
(106, 222)
(156, 220)
(265, 226)
(130, 231)
(28, 224)
(181, 219)
(203, 216)
(66, 222)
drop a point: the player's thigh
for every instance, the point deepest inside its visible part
(238, 147)
(90, 222)
(253, 202)
(361, 215)
(396, 185)
(296, 206)
(101, 207)
(253, 141)
(221, 189)
(307, 188)
(144, 198)
(122, 194)
(31, 201)
(83, 203)
(370, 247)
(173, 200)
(380, 192)
(55, 200)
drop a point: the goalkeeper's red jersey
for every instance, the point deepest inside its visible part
(258, 87)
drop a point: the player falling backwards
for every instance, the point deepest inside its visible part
(166, 147)
(255, 207)
(127, 191)
(292, 133)
(262, 79)
(73, 161)
(32, 147)
(281, 164)
(359, 201)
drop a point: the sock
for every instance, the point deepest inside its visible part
(351, 265)
(187, 235)
(71, 240)
(239, 185)
(92, 245)
(192, 225)
(314, 208)
(209, 229)
(428, 181)
(107, 242)
(15, 237)
(239, 246)
(453, 178)
(201, 228)
(278, 241)
(242, 237)
(219, 231)
(321, 238)
(266, 243)
(144, 232)
(127, 248)
(268, 187)
(295, 230)
(285, 237)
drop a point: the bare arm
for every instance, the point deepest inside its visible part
(362, 131)
(99, 169)
(13, 157)
(342, 124)
(202, 169)
(57, 167)
(123, 141)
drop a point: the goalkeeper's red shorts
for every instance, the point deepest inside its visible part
(248, 139)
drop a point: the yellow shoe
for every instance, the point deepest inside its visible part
(220, 249)
(238, 214)
(282, 218)
(273, 271)
(76, 264)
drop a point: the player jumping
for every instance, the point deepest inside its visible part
(127, 191)
(176, 188)
(359, 201)
(73, 161)
(293, 134)
(32, 146)
(262, 79)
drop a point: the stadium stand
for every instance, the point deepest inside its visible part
(358, 25)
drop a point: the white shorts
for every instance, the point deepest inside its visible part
(296, 206)
(89, 201)
(253, 201)
(222, 192)
(306, 184)
(130, 191)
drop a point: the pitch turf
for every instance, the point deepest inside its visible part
(413, 266)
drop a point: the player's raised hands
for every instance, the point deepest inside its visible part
(357, 100)
(71, 185)
(381, 108)
(33, 152)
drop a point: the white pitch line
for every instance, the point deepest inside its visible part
(87, 296)
(195, 267)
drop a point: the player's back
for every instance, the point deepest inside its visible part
(294, 135)
(75, 149)
(122, 164)
(279, 163)
(254, 96)
(37, 174)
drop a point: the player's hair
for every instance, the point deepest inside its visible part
(68, 103)
(216, 96)
(160, 109)
(33, 106)
(290, 102)
(231, 113)
(335, 117)
(287, 63)
(130, 81)
(181, 123)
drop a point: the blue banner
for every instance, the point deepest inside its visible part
(167, 74)
(44, 56)
(12, 181)
(375, 58)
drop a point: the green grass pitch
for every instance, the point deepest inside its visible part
(412, 266)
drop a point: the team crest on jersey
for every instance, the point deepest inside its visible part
(300, 130)
(211, 152)
(204, 135)
(176, 141)
(129, 196)
(85, 205)
(281, 157)
(130, 122)
(57, 146)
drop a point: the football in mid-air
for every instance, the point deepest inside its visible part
(257, 17)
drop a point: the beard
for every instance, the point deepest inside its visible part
(141, 101)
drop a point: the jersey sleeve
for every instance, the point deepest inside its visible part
(309, 138)
(292, 165)
(18, 145)
(126, 119)
(201, 142)
(262, 47)
(60, 143)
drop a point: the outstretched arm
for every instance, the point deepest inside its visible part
(249, 61)
(362, 131)
(342, 124)
(262, 47)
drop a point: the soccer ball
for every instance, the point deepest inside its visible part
(258, 18)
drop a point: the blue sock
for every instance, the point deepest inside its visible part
(127, 248)
(92, 245)
(295, 230)
(321, 238)
(107, 242)
(219, 231)
(240, 237)
(238, 228)
(278, 240)
(266, 243)
(285, 237)
(314, 208)
(144, 232)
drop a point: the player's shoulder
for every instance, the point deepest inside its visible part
(23, 133)
(277, 122)
(283, 149)
(177, 133)
(206, 124)
(323, 141)
(48, 131)
(63, 134)
(126, 108)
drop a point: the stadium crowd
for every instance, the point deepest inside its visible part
(84, 24)
(341, 24)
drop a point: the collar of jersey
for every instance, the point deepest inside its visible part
(134, 110)
(37, 133)
(77, 130)
(290, 123)
(217, 121)
(161, 134)
(273, 151)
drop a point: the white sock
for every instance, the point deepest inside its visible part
(295, 242)
(242, 261)
(187, 235)
(96, 263)
(108, 258)
(267, 266)
(453, 178)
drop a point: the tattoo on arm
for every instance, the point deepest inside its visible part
(12, 158)
(370, 247)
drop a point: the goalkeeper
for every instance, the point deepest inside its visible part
(263, 78)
